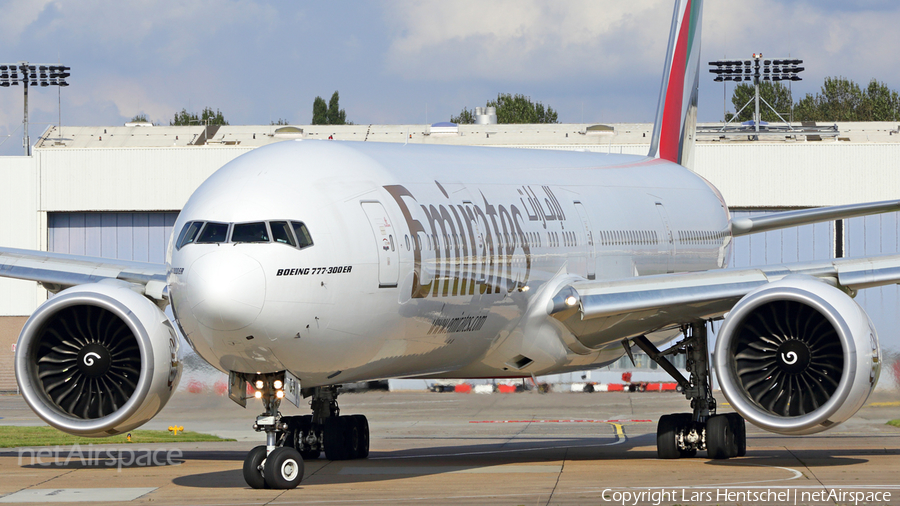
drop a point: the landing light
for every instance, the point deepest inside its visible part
(280, 394)
(260, 384)
(571, 300)
(278, 384)
(257, 394)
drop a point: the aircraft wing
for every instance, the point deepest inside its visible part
(57, 271)
(595, 311)
(774, 221)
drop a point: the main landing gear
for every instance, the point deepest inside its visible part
(683, 434)
(292, 439)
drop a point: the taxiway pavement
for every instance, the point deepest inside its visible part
(434, 448)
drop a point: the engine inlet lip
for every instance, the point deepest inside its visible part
(26, 366)
(729, 382)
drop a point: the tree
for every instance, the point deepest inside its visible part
(330, 114)
(839, 99)
(320, 112)
(138, 118)
(880, 103)
(513, 109)
(206, 117)
(336, 115)
(466, 117)
(212, 118)
(520, 109)
(280, 122)
(184, 118)
(776, 94)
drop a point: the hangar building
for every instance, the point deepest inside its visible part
(116, 191)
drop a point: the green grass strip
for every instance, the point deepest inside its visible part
(13, 437)
(895, 423)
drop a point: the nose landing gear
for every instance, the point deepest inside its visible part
(292, 439)
(682, 435)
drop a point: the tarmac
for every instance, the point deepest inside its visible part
(448, 448)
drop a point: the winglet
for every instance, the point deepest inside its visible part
(676, 115)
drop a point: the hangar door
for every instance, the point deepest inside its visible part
(141, 237)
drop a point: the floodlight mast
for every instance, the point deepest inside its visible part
(759, 69)
(32, 75)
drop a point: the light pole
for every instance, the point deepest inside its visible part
(32, 75)
(756, 70)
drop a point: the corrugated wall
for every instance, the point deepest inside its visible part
(808, 174)
(19, 228)
(132, 179)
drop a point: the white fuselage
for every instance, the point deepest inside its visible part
(427, 260)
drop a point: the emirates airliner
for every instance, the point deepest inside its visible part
(306, 264)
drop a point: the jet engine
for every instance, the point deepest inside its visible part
(97, 359)
(797, 356)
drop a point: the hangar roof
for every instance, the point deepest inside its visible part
(563, 135)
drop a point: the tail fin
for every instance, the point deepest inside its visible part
(676, 115)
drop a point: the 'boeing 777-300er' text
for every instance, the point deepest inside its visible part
(305, 264)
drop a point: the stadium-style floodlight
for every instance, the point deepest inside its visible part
(756, 70)
(32, 75)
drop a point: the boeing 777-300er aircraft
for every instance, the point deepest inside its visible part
(305, 264)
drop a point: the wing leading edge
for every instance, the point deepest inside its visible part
(774, 221)
(57, 271)
(601, 312)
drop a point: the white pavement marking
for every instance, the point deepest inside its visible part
(426, 470)
(45, 495)
(742, 484)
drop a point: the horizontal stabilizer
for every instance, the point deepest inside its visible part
(775, 221)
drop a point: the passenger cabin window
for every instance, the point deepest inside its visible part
(303, 238)
(281, 233)
(189, 233)
(250, 232)
(213, 233)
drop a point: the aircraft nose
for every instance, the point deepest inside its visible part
(225, 289)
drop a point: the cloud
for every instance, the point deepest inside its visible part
(855, 40)
(523, 40)
(18, 16)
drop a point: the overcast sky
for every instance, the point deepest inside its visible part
(408, 62)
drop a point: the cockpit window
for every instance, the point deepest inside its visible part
(281, 232)
(292, 233)
(213, 233)
(303, 237)
(189, 233)
(250, 232)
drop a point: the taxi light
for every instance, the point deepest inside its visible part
(278, 384)
(279, 394)
(257, 394)
(260, 384)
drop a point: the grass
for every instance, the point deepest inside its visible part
(895, 423)
(12, 437)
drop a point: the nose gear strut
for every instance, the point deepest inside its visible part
(292, 439)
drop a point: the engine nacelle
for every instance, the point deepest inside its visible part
(97, 360)
(797, 356)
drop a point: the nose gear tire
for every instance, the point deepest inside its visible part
(283, 469)
(253, 464)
